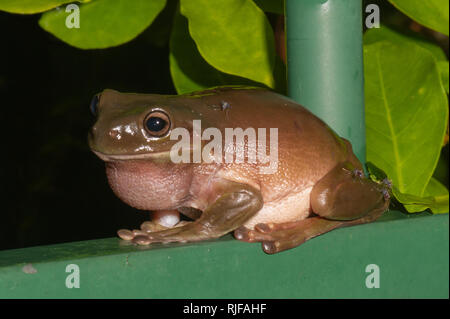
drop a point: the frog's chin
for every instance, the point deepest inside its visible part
(157, 156)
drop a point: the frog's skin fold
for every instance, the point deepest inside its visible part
(318, 184)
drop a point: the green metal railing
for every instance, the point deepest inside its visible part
(325, 64)
(411, 252)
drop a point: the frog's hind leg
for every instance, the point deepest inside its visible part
(279, 240)
(279, 237)
(344, 197)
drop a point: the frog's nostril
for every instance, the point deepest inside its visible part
(93, 132)
(114, 134)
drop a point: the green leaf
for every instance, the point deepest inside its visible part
(384, 33)
(103, 23)
(443, 69)
(375, 173)
(190, 72)
(272, 6)
(32, 6)
(387, 34)
(431, 13)
(234, 36)
(436, 199)
(436, 188)
(406, 113)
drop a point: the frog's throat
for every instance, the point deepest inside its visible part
(126, 157)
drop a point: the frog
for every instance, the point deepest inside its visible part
(318, 183)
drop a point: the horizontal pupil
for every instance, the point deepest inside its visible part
(156, 124)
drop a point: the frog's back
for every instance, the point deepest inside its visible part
(306, 145)
(307, 148)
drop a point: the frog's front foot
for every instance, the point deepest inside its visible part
(143, 236)
(161, 221)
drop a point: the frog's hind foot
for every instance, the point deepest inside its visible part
(250, 236)
(278, 237)
(290, 235)
(262, 232)
(275, 238)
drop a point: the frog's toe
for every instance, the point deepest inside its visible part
(245, 234)
(142, 240)
(125, 234)
(270, 247)
(283, 243)
(265, 228)
(139, 232)
(274, 227)
(128, 235)
(242, 234)
(151, 226)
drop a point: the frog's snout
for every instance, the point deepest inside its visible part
(92, 137)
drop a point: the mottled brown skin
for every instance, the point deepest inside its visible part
(318, 186)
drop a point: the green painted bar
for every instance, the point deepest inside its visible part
(325, 64)
(412, 253)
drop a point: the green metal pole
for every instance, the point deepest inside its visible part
(325, 64)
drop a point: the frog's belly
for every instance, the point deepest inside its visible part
(287, 209)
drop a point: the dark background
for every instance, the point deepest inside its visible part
(53, 188)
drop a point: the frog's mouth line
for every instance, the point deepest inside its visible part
(125, 157)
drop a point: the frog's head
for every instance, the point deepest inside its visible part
(132, 135)
(136, 126)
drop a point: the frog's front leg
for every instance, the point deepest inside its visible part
(343, 197)
(230, 205)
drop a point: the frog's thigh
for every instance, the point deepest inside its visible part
(236, 204)
(345, 194)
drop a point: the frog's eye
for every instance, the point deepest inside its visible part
(94, 105)
(157, 123)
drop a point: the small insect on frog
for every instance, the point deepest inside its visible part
(318, 184)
